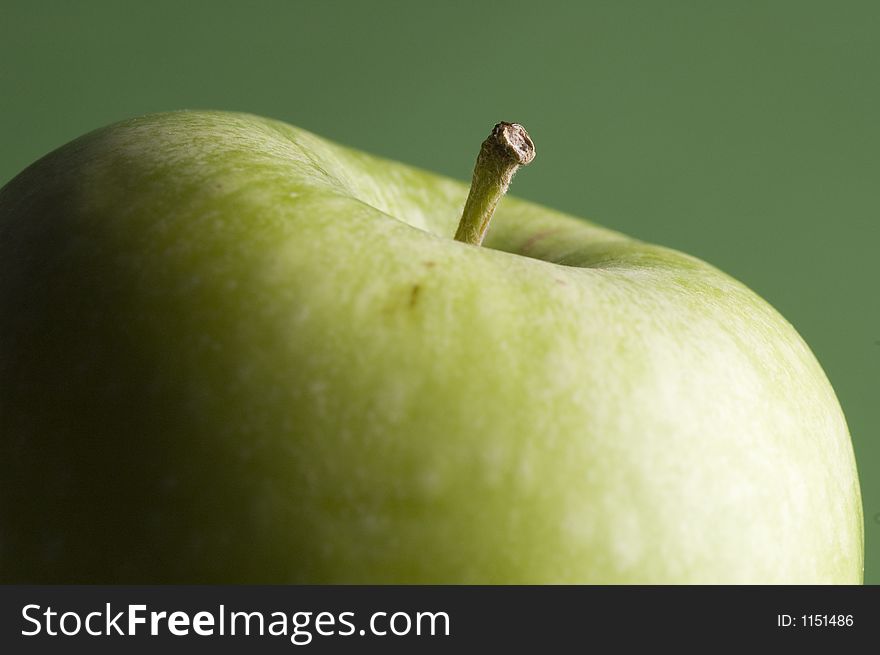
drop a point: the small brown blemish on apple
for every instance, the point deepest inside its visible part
(430, 264)
(537, 236)
(403, 300)
(414, 293)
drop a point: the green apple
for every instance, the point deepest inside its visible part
(231, 351)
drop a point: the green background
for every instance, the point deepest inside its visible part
(746, 133)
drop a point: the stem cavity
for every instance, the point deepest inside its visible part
(506, 149)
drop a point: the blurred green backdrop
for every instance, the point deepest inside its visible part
(746, 133)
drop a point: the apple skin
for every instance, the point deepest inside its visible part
(231, 351)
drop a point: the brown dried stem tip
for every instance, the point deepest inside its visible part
(502, 153)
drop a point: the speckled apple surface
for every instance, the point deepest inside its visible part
(231, 351)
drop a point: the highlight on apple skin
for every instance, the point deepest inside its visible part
(232, 351)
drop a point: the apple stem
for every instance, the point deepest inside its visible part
(506, 149)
